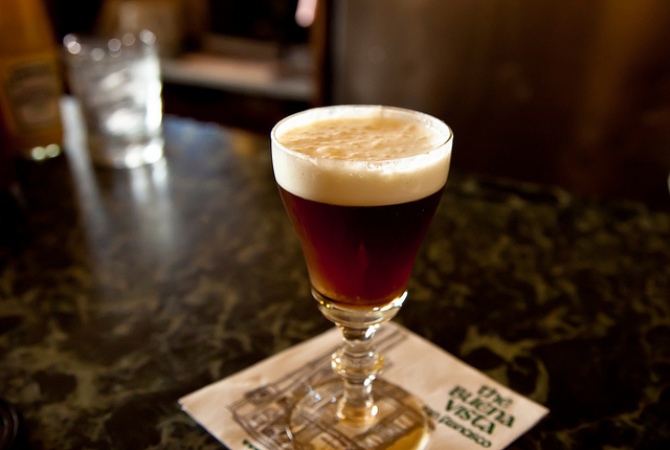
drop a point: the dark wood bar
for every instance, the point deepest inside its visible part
(121, 291)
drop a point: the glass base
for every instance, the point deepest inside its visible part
(399, 422)
(122, 153)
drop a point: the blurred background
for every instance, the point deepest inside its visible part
(570, 93)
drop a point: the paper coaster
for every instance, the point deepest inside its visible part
(469, 410)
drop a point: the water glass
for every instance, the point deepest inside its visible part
(117, 84)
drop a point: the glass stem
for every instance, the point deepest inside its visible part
(358, 364)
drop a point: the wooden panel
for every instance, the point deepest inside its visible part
(570, 93)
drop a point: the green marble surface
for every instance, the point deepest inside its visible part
(121, 291)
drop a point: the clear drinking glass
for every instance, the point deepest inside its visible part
(360, 185)
(117, 83)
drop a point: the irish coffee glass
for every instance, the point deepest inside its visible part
(360, 185)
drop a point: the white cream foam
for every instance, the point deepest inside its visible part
(361, 155)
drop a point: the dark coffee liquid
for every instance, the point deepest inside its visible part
(360, 256)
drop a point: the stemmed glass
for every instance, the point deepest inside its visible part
(360, 185)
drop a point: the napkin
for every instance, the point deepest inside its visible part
(468, 409)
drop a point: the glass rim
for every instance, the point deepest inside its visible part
(325, 112)
(81, 45)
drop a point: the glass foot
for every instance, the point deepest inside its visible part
(400, 423)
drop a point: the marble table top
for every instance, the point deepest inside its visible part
(123, 290)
